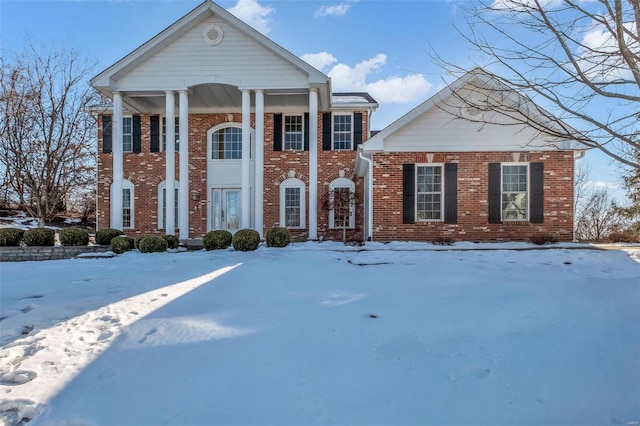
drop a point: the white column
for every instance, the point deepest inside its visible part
(246, 160)
(170, 165)
(259, 173)
(116, 146)
(313, 164)
(183, 193)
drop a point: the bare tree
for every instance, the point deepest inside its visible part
(46, 131)
(598, 217)
(580, 60)
(342, 203)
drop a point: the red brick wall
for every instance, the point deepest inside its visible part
(146, 170)
(472, 198)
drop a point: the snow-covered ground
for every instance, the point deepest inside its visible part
(319, 333)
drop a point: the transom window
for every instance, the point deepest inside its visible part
(428, 193)
(226, 144)
(293, 132)
(342, 131)
(127, 134)
(176, 134)
(515, 198)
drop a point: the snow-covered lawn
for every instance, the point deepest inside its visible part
(318, 334)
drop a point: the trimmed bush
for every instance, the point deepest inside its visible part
(39, 237)
(542, 239)
(10, 236)
(172, 241)
(217, 240)
(74, 237)
(623, 237)
(121, 243)
(278, 237)
(104, 236)
(442, 241)
(152, 244)
(246, 240)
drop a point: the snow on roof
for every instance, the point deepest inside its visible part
(352, 98)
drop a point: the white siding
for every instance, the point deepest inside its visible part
(440, 130)
(236, 60)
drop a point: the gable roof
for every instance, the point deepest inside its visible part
(482, 79)
(190, 21)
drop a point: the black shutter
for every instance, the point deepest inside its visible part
(357, 129)
(306, 131)
(494, 193)
(537, 192)
(136, 133)
(408, 193)
(326, 131)
(154, 130)
(451, 193)
(106, 134)
(277, 132)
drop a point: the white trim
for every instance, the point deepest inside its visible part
(313, 164)
(258, 215)
(183, 172)
(125, 184)
(415, 207)
(170, 158)
(528, 207)
(293, 183)
(116, 147)
(162, 186)
(342, 182)
(246, 160)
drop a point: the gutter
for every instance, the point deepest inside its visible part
(370, 189)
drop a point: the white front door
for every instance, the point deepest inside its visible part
(226, 209)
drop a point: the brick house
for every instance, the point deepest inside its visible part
(233, 131)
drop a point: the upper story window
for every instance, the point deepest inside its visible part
(226, 144)
(342, 131)
(515, 192)
(176, 134)
(429, 188)
(127, 134)
(293, 133)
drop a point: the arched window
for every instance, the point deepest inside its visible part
(127, 204)
(226, 143)
(162, 204)
(292, 206)
(342, 201)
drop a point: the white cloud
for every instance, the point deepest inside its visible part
(339, 9)
(319, 60)
(600, 57)
(389, 90)
(524, 5)
(599, 184)
(254, 14)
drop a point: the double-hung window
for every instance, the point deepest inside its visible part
(176, 134)
(293, 133)
(127, 134)
(162, 196)
(342, 131)
(292, 203)
(515, 192)
(429, 189)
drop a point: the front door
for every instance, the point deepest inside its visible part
(226, 209)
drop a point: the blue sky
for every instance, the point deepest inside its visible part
(377, 46)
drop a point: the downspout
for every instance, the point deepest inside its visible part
(576, 156)
(370, 190)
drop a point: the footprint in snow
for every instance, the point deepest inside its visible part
(154, 330)
(17, 378)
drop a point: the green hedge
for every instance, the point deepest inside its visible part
(152, 244)
(172, 241)
(10, 236)
(216, 240)
(246, 240)
(121, 244)
(74, 237)
(104, 236)
(278, 237)
(39, 237)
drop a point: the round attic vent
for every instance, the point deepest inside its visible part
(472, 111)
(213, 34)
